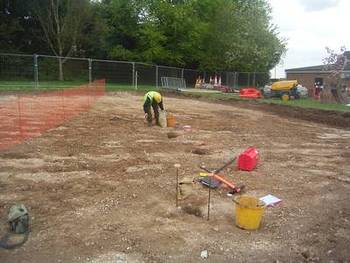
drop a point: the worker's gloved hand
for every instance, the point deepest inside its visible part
(146, 116)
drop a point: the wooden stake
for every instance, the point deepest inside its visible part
(177, 184)
(209, 191)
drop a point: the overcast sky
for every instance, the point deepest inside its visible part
(309, 26)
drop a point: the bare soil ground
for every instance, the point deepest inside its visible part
(333, 118)
(101, 187)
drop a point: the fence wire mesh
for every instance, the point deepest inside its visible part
(16, 69)
(41, 71)
(52, 69)
(173, 83)
(113, 72)
(190, 76)
(146, 74)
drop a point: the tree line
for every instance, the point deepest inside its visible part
(230, 35)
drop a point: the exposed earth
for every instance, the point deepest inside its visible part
(101, 186)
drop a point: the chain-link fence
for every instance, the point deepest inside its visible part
(19, 71)
(19, 68)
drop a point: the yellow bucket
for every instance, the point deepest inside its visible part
(249, 211)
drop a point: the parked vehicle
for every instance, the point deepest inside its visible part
(286, 90)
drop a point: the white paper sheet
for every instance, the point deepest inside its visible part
(270, 200)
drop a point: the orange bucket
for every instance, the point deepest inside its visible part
(171, 121)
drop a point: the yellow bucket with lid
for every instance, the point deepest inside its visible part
(249, 212)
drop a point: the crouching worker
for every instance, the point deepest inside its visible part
(154, 99)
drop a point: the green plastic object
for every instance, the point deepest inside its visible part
(18, 219)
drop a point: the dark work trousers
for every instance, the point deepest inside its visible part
(156, 113)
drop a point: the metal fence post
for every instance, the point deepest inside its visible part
(157, 81)
(182, 73)
(235, 80)
(90, 70)
(136, 77)
(36, 71)
(133, 74)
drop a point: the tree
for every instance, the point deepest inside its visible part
(122, 19)
(335, 63)
(62, 24)
(19, 29)
(177, 26)
(209, 35)
(240, 37)
(93, 37)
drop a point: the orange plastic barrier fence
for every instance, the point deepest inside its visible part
(26, 116)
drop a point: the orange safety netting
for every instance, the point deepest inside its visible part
(26, 116)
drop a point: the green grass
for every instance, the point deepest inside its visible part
(28, 86)
(309, 103)
(304, 103)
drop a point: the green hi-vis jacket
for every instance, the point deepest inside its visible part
(149, 100)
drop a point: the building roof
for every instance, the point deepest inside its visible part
(314, 69)
(319, 68)
(307, 69)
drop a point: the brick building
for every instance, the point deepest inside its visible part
(308, 76)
